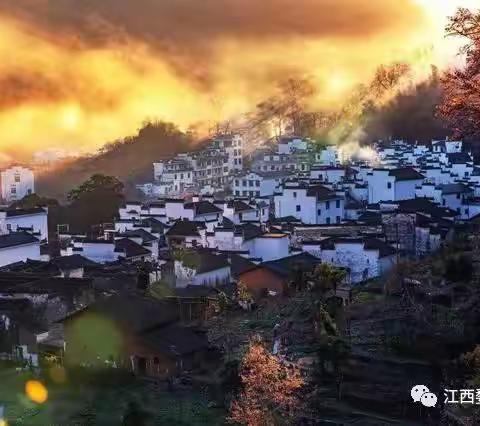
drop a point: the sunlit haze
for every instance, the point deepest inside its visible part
(75, 84)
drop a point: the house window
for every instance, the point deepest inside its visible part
(299, 208)
(237, 182)
(258, 193)
(240, 216)
(327, 205)
(250, 183)
(17, 178)
(338, 219)
(13, 190)
(458, 196)
(443, 201)
(338, 204)
(257, 183)
(328, 221)
(244, 182)
(294, 194)
(237, 193)
(319, 212)
(389, 185)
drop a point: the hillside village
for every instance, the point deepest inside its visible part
(225, 238)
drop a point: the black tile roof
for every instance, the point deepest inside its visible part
(175, 340)
(184, 228)
(203, 207)
(285, 266)
(208, 262)
(370, 218)
(455, 188)
(239, 206)
(286, 219)
(406, 173)
(152, 222)
(130, 248)
(138, 313)
(459, 158)
(139, 233)
(227, 223)
(322, 193)
(239, 264)
(249, 231)
(424, 205)
(194, 291)
(383, 248)
(25, 212)
(16, 239)
(369, 243)
(75, 261)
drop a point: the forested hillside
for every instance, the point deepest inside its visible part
(129, 159)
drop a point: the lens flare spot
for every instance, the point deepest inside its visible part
(36, 391)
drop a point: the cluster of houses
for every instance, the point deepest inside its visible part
(213, 224)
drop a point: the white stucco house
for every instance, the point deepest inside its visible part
(364, 258)
(258, 183)
(18, 247)
(314, 204)
(34, 221)
(16, 182)
(393, 184)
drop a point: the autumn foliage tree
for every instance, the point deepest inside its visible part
(269, 389)
(460, 107)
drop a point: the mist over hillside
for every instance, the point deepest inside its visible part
(129, 159)
(410, 115)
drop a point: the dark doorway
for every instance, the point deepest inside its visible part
(142, 366)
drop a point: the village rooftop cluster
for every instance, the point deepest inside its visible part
(218, 217)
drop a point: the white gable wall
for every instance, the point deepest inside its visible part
(20, 253)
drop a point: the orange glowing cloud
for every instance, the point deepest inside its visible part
(75, 75)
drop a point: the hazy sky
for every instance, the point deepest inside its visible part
(78, 73)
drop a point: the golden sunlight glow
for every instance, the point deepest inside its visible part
(70, 117)
(36, 391)
(81, 98)
(338, 84)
